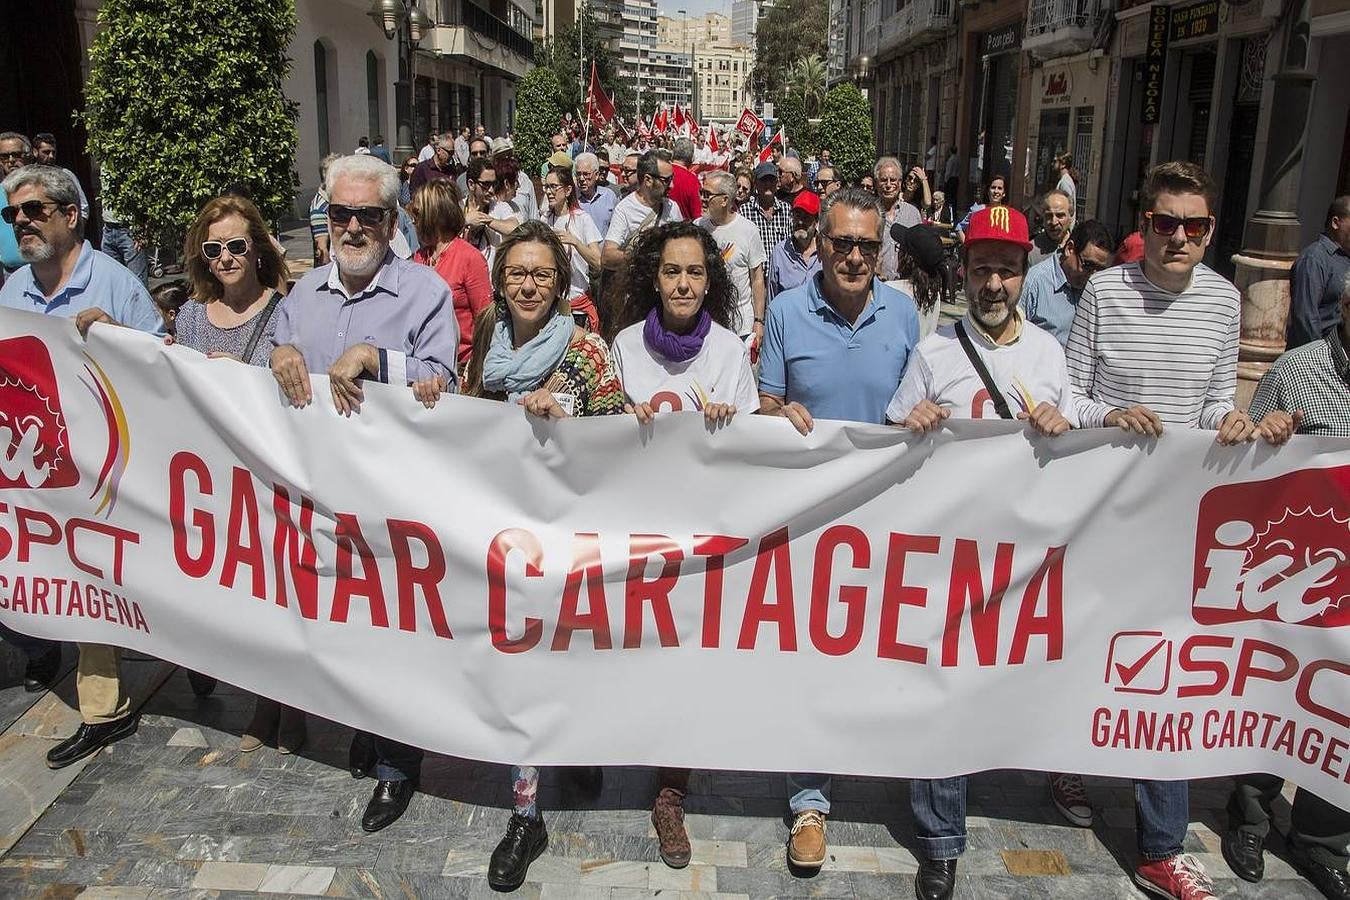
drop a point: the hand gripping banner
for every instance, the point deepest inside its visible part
(477, 583)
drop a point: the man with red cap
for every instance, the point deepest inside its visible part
(992, 363)
(794, 259)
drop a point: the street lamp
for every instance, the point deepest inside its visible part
(399, 19)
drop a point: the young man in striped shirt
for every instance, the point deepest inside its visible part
(1154, 344)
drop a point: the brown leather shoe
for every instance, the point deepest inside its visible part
(668, 819)
(806, 846)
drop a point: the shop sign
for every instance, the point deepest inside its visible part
(1058, 88)
(1002, 40)
(1195, 20)
(1155, 62)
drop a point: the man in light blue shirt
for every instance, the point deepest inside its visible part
(1052, 286)
(66, 276)
(836, 348)
(592, 193)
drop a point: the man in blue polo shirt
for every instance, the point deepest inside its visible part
(66, 276)
(836, 348)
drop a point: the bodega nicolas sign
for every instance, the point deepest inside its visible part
(531, 586)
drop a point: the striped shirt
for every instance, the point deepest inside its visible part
(1134, 343)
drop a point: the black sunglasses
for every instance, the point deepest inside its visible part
(33, 210)
(212, 249)
(844, 246)
(1165, 226)
(366, 216)
(485, 183)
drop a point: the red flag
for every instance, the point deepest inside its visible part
(660, 122)
(642, 130)
(599, 108)
(713, 145)
(680, 124)
(749, 124)
(767, 153)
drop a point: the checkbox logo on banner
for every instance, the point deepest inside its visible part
(1139, 662)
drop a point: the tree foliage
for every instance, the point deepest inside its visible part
(561, 56)
(806, 79)
(792, 119)
(846, 129)
(790, 31)
(184, 100)
(539, 106)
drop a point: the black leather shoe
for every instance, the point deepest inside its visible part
(1242, 851)
(202, 685)
(935, 880)
(1333, 883)
(89, 739)
(361, 756)
(525, 839)
(41, 670)
(389, 801)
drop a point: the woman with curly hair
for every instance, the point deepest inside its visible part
(676, 350)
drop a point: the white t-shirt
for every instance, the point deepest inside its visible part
(720, 373)
(742, 250)
(489, 239)
(630, 212)
(1029, 371)
(426, 153)
(581, 226)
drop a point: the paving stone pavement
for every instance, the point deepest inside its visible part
(177, 810)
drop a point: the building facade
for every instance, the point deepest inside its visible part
(914, 82)
(722, 82)
(671, 78)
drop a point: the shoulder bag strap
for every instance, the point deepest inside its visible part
(996, 395)
(262, 324)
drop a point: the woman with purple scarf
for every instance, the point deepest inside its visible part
(676, 351)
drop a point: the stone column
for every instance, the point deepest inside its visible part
(1273, 232)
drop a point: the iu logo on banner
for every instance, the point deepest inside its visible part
(37, 448)
(1277, 550)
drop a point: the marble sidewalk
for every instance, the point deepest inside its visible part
(177, 810)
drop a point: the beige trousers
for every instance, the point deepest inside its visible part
(98, 684)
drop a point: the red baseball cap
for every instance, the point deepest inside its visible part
(808, 202)
(999, 223)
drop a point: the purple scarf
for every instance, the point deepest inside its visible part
(672, 346)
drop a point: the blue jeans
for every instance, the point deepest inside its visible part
(939, 807)
(395, 761)
(33, 646)
(808, 790)
(1161, 812)
(118, 243)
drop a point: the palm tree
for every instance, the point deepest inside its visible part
(807, 79)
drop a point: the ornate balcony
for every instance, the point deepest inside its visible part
(466, 29)
(1062, 27)
(916, 22)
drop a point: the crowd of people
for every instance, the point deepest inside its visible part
(773, 289)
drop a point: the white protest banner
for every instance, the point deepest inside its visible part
(861, 600)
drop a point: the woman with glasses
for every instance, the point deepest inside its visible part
(487, 217)
(996, 194)
(439, 219)
(528, 351)
(405, 180)
(915, 190)
(231, 265)
(579, 234)
(744, 185)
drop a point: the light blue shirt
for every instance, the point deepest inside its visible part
(405, 312)
(99, 281)
(1048, 300)
(787, 268)
(600, 207)
(9, 246)
(838, 370)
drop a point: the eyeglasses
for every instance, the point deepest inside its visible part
(12, 154)
(1165, 226)
(486, 184)
(475, 154)
(366, 216)
(542, 277)
(33, 210)
(237, 247)
(410, 165)
(826, 182)
(844, 246)
(550, 188)
(705, 196)
(664, 179)
(626, 172)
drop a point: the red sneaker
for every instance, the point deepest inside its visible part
(1179, 877)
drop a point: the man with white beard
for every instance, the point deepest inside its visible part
(368, 315)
